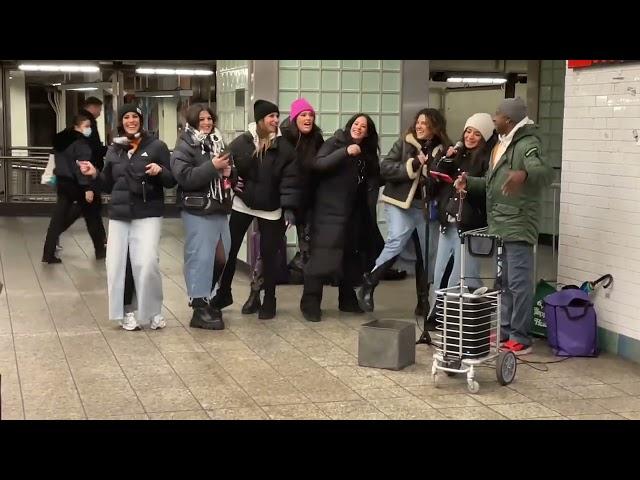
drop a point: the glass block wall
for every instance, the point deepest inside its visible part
(232, 83)
(337, 89)
(550, 116)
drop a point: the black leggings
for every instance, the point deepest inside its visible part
(271, 232)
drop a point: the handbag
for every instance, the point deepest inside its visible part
(48, 178)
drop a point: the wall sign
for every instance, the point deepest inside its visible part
(589, 63)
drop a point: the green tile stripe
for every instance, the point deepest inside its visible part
(622, 345)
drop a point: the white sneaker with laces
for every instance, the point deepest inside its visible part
(158, 322)
(129, 322)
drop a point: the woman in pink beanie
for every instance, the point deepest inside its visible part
(301, 131)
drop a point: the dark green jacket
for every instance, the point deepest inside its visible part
(516, 217)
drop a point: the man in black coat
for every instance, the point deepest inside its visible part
(92, 109)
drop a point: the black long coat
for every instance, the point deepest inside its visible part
(343, 219)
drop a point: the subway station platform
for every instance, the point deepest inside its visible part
(61, 358)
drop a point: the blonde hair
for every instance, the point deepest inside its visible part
(265, 141)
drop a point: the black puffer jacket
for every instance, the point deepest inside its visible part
(306, 149)
(474, 209)
(194, 171)
(134, 194)
(343, 210)
(70, 146)
(271, 181)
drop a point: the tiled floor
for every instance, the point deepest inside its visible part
(60, 357)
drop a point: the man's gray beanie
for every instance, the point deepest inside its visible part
(514, 108)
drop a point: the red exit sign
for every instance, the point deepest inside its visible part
(589, 63)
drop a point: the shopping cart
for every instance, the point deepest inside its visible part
(468, 323)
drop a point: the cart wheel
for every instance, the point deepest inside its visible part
(506, 367)
(473, 386)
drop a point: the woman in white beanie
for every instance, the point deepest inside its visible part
(456, 214)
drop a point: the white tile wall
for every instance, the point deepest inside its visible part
(600, 199)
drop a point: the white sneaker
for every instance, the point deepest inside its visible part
(129, 322)
(158, 322)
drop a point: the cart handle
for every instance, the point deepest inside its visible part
(480, 233)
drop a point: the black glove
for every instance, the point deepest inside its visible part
(415, 164)
(289, 218)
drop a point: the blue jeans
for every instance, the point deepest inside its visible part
(448, 245)
(400, 225)
(202, 233)
(517, 296)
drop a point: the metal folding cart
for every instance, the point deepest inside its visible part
(468, 323)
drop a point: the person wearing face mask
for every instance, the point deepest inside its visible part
(406, 194)
(69, 147)
(301, 131)
(344, 235)
(136, 171)
(460, 213)
(204, 176)
(268, 188)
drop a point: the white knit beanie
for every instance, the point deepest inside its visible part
(481, 122)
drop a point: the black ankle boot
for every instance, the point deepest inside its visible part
(348, 302)
(252, 305)
(205, 315)
(222, 299)
(365, 293)
(268, 308)
(370, 282)
(310, 310)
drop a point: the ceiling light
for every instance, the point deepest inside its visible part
(29, 67)
(173, 71)
(476, 80)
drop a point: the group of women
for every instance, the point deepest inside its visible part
(284, 175)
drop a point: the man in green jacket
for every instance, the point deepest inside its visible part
(514, 182)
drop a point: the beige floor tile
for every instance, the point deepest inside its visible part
(521, 411)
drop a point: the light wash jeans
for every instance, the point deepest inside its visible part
(400, 225)
(142, 238)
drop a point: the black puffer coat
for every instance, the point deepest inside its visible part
(344, 211)
(134, 194)
(270, 181)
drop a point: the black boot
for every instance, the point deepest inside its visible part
(310, 308)
(268, 308)
(205, 316)
(348, 302)
(222, 299)
(369, 283)
(252, 305)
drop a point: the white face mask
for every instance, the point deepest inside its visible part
(86, 132)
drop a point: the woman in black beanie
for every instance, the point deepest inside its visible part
(268, 189)
(136, 172)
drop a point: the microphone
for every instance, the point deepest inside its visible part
(456, 147)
